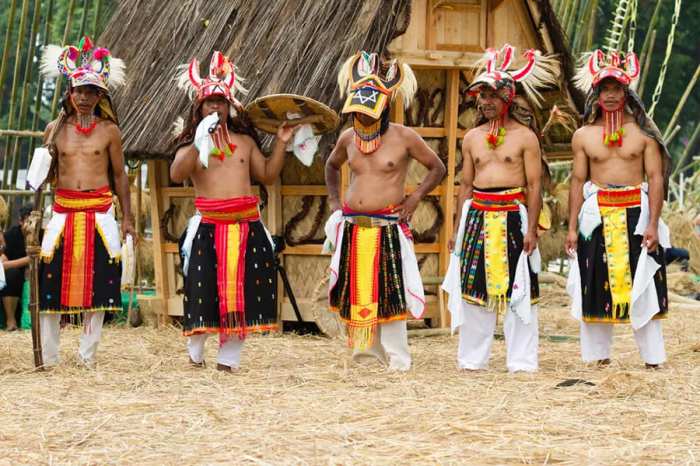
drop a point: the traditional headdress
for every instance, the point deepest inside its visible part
(597, 66)
(371, 84)
(223, 80)
(85, 65)
(540, 71)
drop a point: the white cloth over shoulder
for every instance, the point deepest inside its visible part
(104, 222)
(413, 285)
(644, 302)
(39, 168)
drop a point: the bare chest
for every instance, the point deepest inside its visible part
(232, 168)
(72, 145)
(504, 156)
(386, 159)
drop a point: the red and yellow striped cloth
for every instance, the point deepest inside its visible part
(230, 217)
(78, 268)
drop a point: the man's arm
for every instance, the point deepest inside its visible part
(16, 263)
(184, 164)
(579, 174)
(121, 181)
(533, 176)
(466, 183)
(267, 169)
(420, 151)
(653, 168)
(338, 157)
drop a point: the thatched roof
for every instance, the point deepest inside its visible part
(278, 46)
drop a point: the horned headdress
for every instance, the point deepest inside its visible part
(222, 80)
(539, 71)
(596, 66)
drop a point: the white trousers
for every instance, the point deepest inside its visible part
(596, 342)
(476, 339)
(390, 346)
(89, 338)
(229, 352)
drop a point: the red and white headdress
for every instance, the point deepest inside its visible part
(596, 66)
(538, 72)
(222, 79)
(84, 65)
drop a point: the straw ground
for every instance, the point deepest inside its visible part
(299, 399)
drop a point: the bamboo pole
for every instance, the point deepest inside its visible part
(83, 19)
(40, 86)
(645, 69)
(6, 46)
(681, 102)
(669, 45)
(59, 80)
(686, 153)
(96, 19)
(24, 102)
(13, 92)
(648, 38)
(21, 133)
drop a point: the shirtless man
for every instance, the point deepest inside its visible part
(489, 268)
(375, 280)
(614, 216)
(221, 297)
(81, 271)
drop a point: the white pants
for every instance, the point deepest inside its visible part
(89, 338)
(229, 353)
(596, 342)
(390, 346)
(476, 338)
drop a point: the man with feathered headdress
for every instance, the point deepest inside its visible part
(618, 272)
(494, 262)
(227, 253)
(375, 282)
(81, 249)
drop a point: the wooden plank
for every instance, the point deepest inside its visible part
(154, 184)
(303, 190)
(484, 26)
(304, 250)
(170, 248)
(449, 182)
(177, 191)
(430, 132)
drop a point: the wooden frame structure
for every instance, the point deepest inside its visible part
(443, 36)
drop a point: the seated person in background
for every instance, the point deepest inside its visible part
(15, 262)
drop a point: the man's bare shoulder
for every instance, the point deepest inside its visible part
(345, 137)
(110, 128)
(475, 132)
(527, 135)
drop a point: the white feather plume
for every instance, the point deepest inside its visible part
(49, 61)
(583, 79)
(408, 87)
(544, 74)
(117, 72)
(178, 126)
(345, 75)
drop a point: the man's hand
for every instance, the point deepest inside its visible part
(571, 244)
(530, 242)
(406, 208)
(334, 204)
(284, 132)
(451, 243)
(128, 229)
(651, 238)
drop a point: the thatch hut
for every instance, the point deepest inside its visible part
(297, 46)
